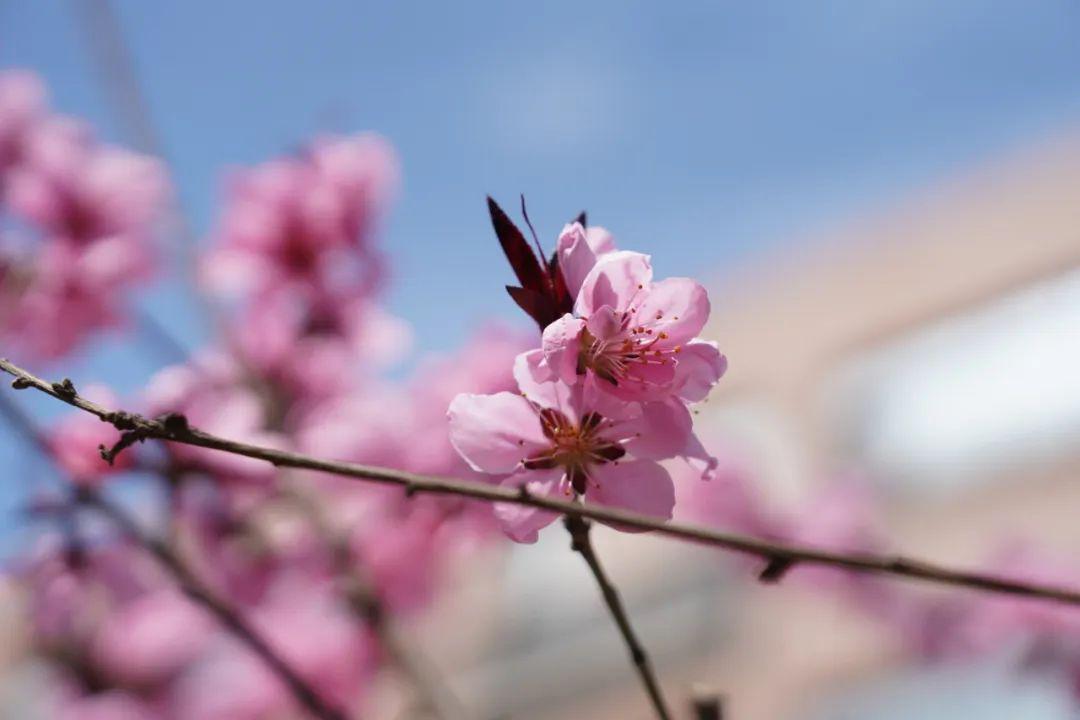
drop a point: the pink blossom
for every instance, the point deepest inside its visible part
(577, 249)
(230, 684)
(212, 393)
(59, 304)
(637, 336)
(399, 553)
(363, 172)
(151, 638)
(109, 705)
(313, 350)
(958, 626)
(304, 222)
(403, 425)
(228, 552)
(73, 587)
(731, 500)
(569, 440)
(94, 209)
(310, 629)
(483, 365)
(79, 191)
(22, 103)
(842, 516)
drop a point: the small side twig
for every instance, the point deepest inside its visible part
(581, 543)
(706, 704)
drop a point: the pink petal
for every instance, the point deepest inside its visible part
(562, 344)
(494, 432)
(676, 306)
(604, 323)
(534, 378)
(600, 240)
(576, 256)
(661, 431)
(597, 395)
(521, 522)
(615, 280)
(652, 381)
(700, 366)
(699, 459)
(640, 486)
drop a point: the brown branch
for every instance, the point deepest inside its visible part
(706, 705)
(115, 66)
(431, 693)
(581, 543)
(233, 621)
(226, 615)
(175, 429)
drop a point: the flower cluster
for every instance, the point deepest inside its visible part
(295, 244)
(76, 217)
(295, 271)
(607, 395)
(930, 628)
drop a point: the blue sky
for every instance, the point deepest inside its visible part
(703, 132)
(706, 133)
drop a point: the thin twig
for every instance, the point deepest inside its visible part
(229, 618)
(185, 578)
(706, 705)
(116, 69)
(581, 543)
(776, 555)
(115, 65)
(431, 692)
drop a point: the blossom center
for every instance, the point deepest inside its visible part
(615, 358)
(576, 447)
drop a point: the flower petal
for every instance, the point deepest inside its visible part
(494, 432)
(522, 523)
(676, 306)
(640, 486)
(700, 366)
(600, 240)
(698, 458)
(661, 431)
(614, 281)
(562, 345)
(576, 256)
(539, 384)
(604, 323)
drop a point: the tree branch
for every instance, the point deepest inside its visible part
(232, 620)
(432, 695)
(777, 556)
(581, 543)
(229, 618)
(706, 705)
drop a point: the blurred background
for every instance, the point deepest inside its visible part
(880, 196)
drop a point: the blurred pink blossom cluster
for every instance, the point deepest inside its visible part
(294, 268)
(77, 218)
(125, 642)
(935, 627)
(295, 247)
(607, 395)
(1039, 638)
(598, 407)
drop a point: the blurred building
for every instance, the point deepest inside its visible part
(930, 348)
